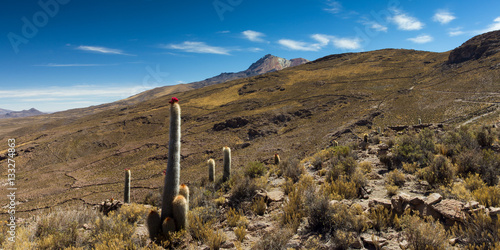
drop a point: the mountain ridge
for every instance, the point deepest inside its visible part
(295, 112)
(19, 114)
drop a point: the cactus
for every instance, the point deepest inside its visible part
(419, 121)
(379, 130)
(227, 163)
(172, 176)
(277, 159)
(154, 224)
(365, 138)
(211, 170)
(184, 191)
(126, 193)
(180, 210)
(168, 226)
(335, 143)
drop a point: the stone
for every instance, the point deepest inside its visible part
(276, 195)
(433, 199)
(379, 201)
(471, 205)
(494, 211)
(383, 147)
(357, 244)
(257, 226)
(450, 209)
(397, 204)
(227, 244)
(372, 240)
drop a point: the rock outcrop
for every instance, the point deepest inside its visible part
(480, 46)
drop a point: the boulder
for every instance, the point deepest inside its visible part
(433, 199)
(378, 201)
(450, 210)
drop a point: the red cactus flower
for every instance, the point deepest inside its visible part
(127, 169)
(164, 172)
(173, 100)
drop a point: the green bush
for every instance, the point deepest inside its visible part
(419, 149)
(255, 169)
(439, 172)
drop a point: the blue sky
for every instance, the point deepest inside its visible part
(62, 54)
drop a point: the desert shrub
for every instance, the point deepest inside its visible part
(199, 225)
(469, 161)
(255, 169)
(419, 149)
(389, 160)
(473, 182)
(59, 228)
(134, 213)
(391, 190)
(490, 167)
(234, 217)
(243, 188)
(375, 140)
(340, 189)
(294, 208)
(456, 191)
(396, 178)
(240, 233)
(338, 222)
(478, 231)
(288, 187)
(485, 136)
(439, 172)
(153, 197)
(259, 206)
(113, 228)
(459, 140)
(215, 239)
(292, 169)
(381, 217)
(488, 196)
(410, 168)
(317, 163)
(424, 233)
(366, 167)
(275, 240)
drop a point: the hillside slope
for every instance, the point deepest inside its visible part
(295, 112)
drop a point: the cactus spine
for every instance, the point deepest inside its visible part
(180, 210)
(126, 193)
(277, 159)
(227, 163)
(211, 170)
(172, 174)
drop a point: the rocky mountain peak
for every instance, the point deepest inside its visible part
(480, 46)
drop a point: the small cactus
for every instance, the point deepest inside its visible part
(184, 191)
(365, 138)
(211, 170)
(126, 193)
(154, 224)
(335, 143)
(168, 226)
(277, 159)
(419, 121)
(227, 163)
(180, 209)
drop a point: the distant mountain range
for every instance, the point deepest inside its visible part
(5, 113)
(266, 64)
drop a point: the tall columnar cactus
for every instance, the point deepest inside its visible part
(227, 163)
(172, 174)
(277, 159)
(419, 121)
(126, 193)
(211, 170)
(365, 138)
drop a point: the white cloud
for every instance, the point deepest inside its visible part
(333, 6)
(421, 39)
(405, 22)
(494, 26)
(297, 45)
(103, 50)
(198, 47)
(456, 31)
(443, 17)
(378, 27)
(347, 43)
(322, 41)
(253, 36)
